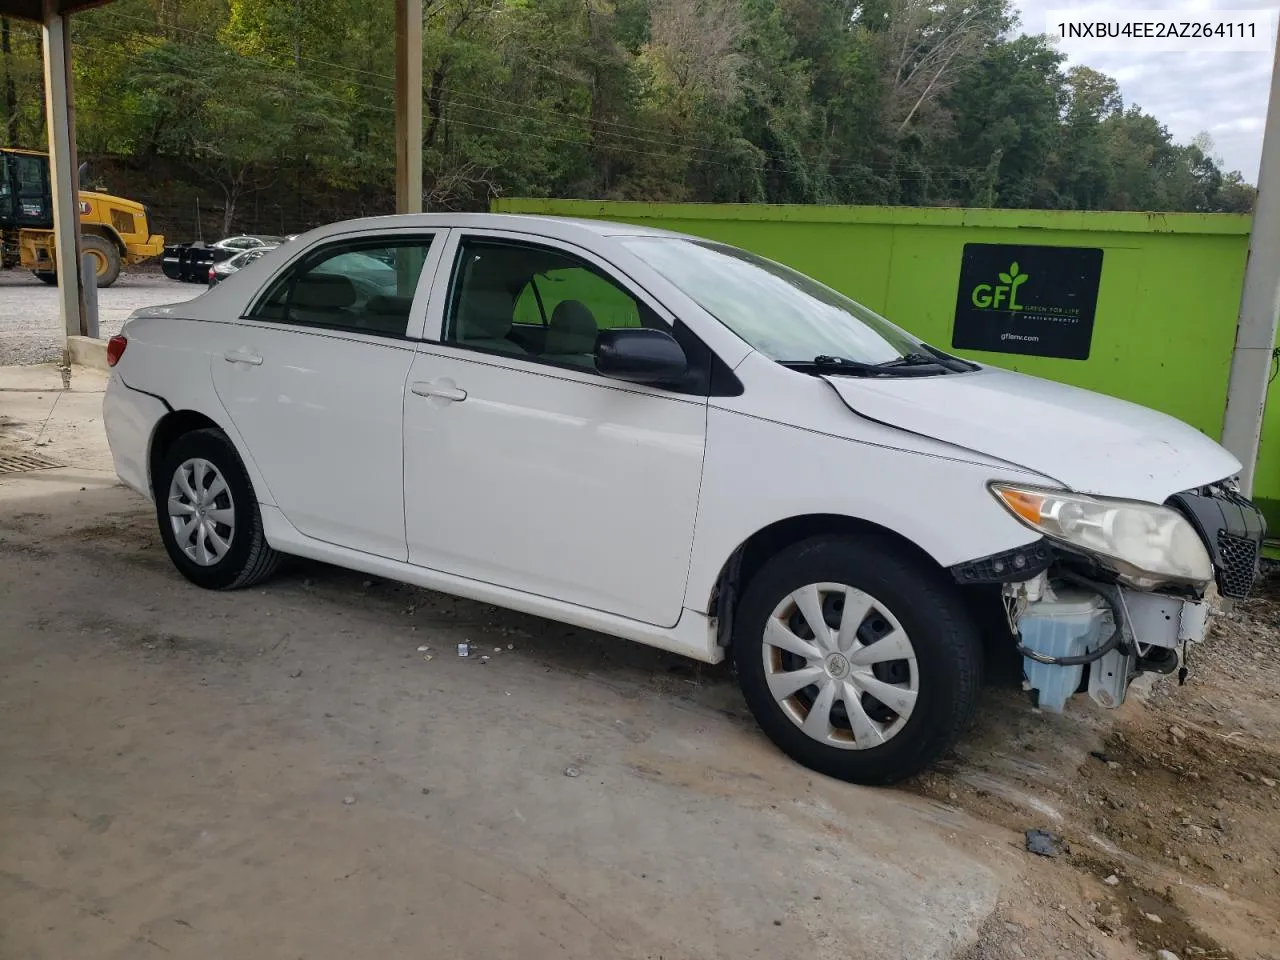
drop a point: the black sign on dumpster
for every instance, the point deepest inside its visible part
(1038, 301)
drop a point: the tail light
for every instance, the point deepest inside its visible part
(115, 349)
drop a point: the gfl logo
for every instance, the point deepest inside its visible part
(1001, 296)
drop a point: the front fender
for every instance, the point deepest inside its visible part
(759, 472)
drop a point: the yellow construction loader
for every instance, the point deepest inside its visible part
(113, 231)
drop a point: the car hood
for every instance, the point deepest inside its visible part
(1088, 442)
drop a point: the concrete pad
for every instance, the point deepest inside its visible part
(44, 377)
(281, 772)
(88, 352)
(56, 414)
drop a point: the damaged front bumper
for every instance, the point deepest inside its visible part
(1077, 635)
(1081, 629)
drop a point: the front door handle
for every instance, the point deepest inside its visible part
(242, 356)
(445, 390)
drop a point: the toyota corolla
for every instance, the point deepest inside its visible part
(677, 442)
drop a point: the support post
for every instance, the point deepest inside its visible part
(408, 106)
(1259, 303)
(60, 112)
(89, 277)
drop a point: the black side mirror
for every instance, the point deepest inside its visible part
(638, 355)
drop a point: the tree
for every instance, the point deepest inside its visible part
(193, 97)
(929, 45)
(799, 101)
(1006, 122)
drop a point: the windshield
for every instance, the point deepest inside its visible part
(785, 315)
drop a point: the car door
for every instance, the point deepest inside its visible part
(313, 379)
(523, 466)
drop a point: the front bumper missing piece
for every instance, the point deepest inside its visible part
(1129, 633)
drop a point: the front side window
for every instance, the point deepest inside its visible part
(364, 286)
(785, 315)
(536, 302)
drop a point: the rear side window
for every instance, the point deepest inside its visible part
(363, 286)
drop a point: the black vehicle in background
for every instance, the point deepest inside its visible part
(191, 262)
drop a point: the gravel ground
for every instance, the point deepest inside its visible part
(30, 331)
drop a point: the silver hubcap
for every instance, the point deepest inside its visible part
(201, 511)
(840, 665)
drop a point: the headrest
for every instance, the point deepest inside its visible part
(572, 329)
(485, 315)
(323, 291)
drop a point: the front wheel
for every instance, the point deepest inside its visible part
(104, 256)
(208, 514)
(857, 659)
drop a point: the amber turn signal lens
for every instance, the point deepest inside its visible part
(1025, 505)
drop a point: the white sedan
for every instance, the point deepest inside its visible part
(680, 443)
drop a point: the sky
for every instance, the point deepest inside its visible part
(1223, 94)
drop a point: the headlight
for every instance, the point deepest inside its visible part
(1146, 544)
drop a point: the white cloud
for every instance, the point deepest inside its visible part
(1224, 94)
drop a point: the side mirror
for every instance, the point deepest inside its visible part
(638, 355)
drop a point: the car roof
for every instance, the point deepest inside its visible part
(561, 227)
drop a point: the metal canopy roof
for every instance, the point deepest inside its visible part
(42, 10)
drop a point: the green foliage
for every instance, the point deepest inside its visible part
(195, 103)
(797, 101)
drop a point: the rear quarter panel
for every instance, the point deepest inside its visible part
(130, 420)
(169, 356)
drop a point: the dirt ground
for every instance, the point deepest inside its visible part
(284, 772)
(1168, 808)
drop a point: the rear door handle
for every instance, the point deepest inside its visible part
(242, 356)
(445, 391)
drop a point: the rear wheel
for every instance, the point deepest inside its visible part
(105, 257)
(856, 658)
(208, 514)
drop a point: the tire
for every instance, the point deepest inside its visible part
(897, 595)
(234, 553)
(49, 277)
(105, 256)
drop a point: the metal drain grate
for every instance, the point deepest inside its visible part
(24, 462)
